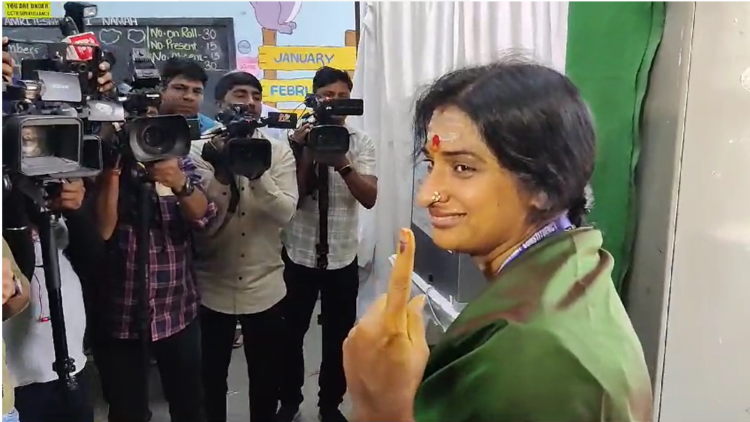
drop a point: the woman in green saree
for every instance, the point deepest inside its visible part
(511, 148)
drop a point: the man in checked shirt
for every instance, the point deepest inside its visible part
(179, 206)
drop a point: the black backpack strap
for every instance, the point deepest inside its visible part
(321, 249)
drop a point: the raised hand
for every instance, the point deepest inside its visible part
(386, 352)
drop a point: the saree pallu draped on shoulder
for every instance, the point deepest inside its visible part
(547, 341)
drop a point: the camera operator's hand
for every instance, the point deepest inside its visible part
(7, 63)
(300, 134)
(168, 173)
(9, 284)
(104, 81)
(71, 196)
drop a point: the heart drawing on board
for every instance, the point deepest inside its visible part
(109, 36)
(136, 36)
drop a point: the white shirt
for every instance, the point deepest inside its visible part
(301, 236)
(30, 351)
(238, 262)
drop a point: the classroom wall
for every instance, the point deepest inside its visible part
(309, 31)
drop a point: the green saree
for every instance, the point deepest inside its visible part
(547, 341)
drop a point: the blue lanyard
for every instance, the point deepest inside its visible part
(560, 224)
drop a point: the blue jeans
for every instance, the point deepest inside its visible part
(11, 417)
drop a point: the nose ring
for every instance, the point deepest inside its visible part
(436, 197)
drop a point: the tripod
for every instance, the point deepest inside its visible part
(45, 220)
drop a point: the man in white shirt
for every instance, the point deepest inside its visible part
(30, 352)
(238, 265)
(309, 270)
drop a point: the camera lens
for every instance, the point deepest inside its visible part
(154, 140)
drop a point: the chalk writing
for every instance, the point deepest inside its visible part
(30, 22)
(306, 58)
(24, 49)
(118, 22)
(190, 42)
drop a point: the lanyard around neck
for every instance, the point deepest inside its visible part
(560, 224)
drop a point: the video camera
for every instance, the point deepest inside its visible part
(45, 123)
(147, 137)
(326, 136)
(44, 136)
(240, 153)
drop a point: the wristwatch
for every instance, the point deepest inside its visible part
(344, 171)
(186, 190)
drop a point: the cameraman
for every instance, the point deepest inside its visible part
(238, 87)
(179, 206)
(351, 181)
(239, 269)
(29, 336)
(184, 82)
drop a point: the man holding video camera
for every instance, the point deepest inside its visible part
(183, 90)
(324, 261)
(179, 207)
(238, 266)
(29, 336)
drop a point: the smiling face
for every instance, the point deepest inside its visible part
(481, 204)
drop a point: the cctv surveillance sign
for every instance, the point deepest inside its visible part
(27, 9)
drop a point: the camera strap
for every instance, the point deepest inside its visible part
(321, 249)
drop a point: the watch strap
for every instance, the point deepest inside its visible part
(187, 189)
(345, 171)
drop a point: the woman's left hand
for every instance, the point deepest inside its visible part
(386, 352)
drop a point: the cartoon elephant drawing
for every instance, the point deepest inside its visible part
(277, 15)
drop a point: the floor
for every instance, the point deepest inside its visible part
(238, 386)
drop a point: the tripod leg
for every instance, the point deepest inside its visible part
(64, 365)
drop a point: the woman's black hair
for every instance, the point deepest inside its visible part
(233, 79)
(187, 68)
(532, 118)
(327, 75)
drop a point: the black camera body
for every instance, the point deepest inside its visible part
(326, 136)
(44, 137)
(240, 153)
(147, 137)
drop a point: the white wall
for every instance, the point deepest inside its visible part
(690, 291)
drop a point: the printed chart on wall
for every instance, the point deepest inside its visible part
(293, 40)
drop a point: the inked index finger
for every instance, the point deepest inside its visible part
(399, 286)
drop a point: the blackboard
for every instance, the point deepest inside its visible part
(210, 41)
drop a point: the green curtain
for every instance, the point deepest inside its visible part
(610, 51)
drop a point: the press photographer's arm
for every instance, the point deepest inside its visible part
(180, 176)
(364, 187)
(106, 201)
